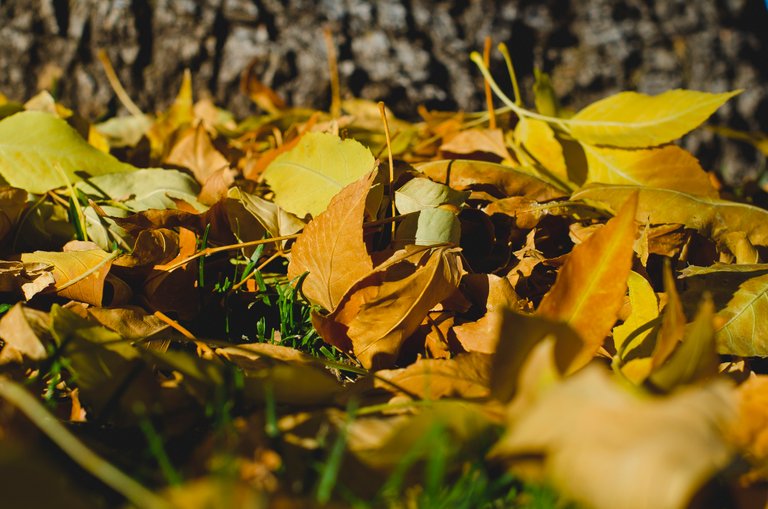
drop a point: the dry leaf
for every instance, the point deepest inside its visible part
(590, 287)
(605, 447)
(331, 248)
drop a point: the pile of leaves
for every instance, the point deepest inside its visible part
(302, 308)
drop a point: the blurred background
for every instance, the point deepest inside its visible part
(404, 52)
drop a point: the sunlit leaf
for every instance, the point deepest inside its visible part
(631, 119)
(708, 216)
(590, 287)
(667, 167)
(306, 177)
(740, 294)
(35, 143)
(331, 248)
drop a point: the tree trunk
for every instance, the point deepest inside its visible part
(405, 52)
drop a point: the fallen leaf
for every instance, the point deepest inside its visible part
(465, 376)
(251, 217)
(667, 167)
(471, 141)
(331, 248)
(195, 151)
(591, 285)
(463, 175)
(305, 178)
(739, 293)
(644, 309)
(710, 217)
(79, 274)
(539, 145)
(695, 358)
(24, 334)
(421, 193)
(631, 119)
(29, 278)
(35, 143)
(12, 203)
(605, 447)
(749, 431)
(673, 322)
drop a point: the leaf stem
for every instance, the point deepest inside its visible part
(114, 82)
(488, 94)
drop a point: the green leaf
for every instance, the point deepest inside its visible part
(33, 143)
(144, 189)
(710, 217)
(630, 119)
(429, 227)
(305, 178)
(420, 193)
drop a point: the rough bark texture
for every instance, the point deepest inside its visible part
(405, 52)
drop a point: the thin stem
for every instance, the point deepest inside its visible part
(74, 281)
(478, 60)
(383, 113)
(488, 94)
(229, 247)
(511, 70)
(256, 270)
(92, 463)
(203, 349)
(114, 82)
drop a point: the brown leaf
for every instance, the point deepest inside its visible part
(382, 310)
(152, 247)
(331, 248)
(194, 150)
(29, 278)
(79, 271)
(471, 141)
(525, 212)
(590, 288)
(606, 447)
(465, 175)
(482, 335)
(465, 376)
(24, 334)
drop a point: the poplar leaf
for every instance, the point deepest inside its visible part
(33, 143)
(740, 294)
(420, 193)
(710, 217)
(595, 441)
(645, 307)
(667, 167)
(71, 265)
(331, 248)
(305, 178)
(591, 285)
(633, 120)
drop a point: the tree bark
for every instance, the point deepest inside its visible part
(405, 52)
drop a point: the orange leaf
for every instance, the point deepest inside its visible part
(331, 248)
(590, 288)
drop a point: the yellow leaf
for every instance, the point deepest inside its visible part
(695, 358)
(710, 217)
(645, 308)
(331, 248)
(631, 119)
(672, 323)
(92, 265)
(606, 447)
(540, 146)
(749, 432)
(591, 285)
(667, 167)
(305, 178)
